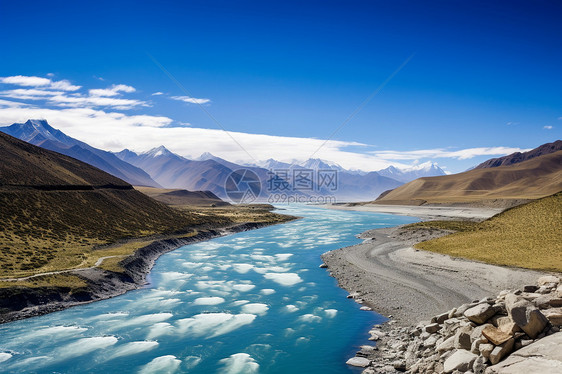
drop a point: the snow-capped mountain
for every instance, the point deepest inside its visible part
(405, 175)
(38, 132)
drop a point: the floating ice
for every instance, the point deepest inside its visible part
(291, 308)
(242, 268)
(240, 302)
(159, 329)
(255, 308)
(5, 356)
(243, 287)
(162, 365)
(310, 318)
(239, 363)
(208, 300)
(263, 258)
(84, 346)
(59, 330)
(284, 279)
(283, 256)
(331, 312)
(144, 320)
(133, 348)
(267, 291)
(210, 325)
(191, 361)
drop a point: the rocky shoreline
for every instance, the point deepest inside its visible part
(24, 302)
(516, 332)
(386, 274)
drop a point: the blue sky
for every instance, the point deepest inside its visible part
(483, 75)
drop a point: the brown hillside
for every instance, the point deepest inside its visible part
(531, 179)
(24, 164)
(54, 210)
(517, 157)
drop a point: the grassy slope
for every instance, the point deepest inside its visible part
(527, 236)
(532, 179)
(59, 229)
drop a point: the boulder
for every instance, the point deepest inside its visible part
(486, 349)
(558, 292)
(554, 316)
(495, 335)
(500, 351)
(548, 279)
(509, 328)
(479, 366)
(447, 345)
(543, 356)
(440, 318)
(530, 288)
(480, 313)
(432, 327)
(462, 338)
(527, 316)
(461, 360)
(361, 362)
(477, 332)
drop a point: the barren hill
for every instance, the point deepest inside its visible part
(535, 178)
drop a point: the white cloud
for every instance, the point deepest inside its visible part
(32, 81)
(158, 93)
(548, 127)
(114, 90)
(191, 100)
(462, 154)
(98, 119)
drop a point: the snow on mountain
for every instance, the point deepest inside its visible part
(405, 175)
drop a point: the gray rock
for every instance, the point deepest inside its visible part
(440, 318)
(554, 316)
(530, 288)
(461, 360)
(486, 349)
(500, 351)
(358, 362)
(477, 332)
(480, 365)
(548, 279)
(480, 313)
(462, 338)
(525, 315)
(432, 327)
(447, 345)
(543, 356)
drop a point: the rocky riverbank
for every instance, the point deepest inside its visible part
(517, 331)
(24, 302)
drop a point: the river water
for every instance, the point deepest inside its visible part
(253, 302)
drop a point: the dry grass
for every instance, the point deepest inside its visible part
(460, 226)
(55, 280)
(527, 236)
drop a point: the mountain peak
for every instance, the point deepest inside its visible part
(159, 151)
(206, 156)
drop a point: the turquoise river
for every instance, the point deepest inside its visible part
(253, 302)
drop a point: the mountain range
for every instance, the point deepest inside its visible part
(161, 168)
(40, 133)
(531, 175)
